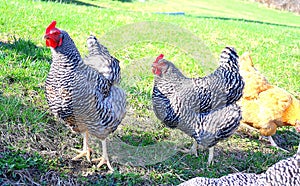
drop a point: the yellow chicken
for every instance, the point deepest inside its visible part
(264, 106)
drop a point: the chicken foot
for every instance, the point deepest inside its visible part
(270, 139)
(210, 155)
(192, 150)
(273, 143)
(86, 151)
(104, 159)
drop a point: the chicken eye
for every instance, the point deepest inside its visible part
(56, 32)
(160, 62)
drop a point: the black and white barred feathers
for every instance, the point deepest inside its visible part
(203, 108)
(81, 95)
(100, 59)
(284, 173)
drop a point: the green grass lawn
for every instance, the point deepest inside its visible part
(34, 148)
(236, 9)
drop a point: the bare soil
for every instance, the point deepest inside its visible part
(288, 5)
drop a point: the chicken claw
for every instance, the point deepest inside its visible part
(273, 143)
(104, 159)
(85, 152)
(193, 149)
(102, 162)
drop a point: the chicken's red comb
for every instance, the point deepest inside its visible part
(161, 56)
(51, 26)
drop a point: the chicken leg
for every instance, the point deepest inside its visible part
(210, 155)
(270, 139)
(273, 143)
(193, 149)
(104, 159)
(86, 151)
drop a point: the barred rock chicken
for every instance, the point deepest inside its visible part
(100, 59)
(79, 95)
(204, 108)
(285, 172)
(237, 179)
(265, 106)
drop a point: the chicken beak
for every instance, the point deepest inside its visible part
(153, 68)
(46, 36)
(297, 126)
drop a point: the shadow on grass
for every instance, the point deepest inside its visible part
(33, 146)
(18, 167)
(23, 68)
(38, 150)
(24, 124)
(243, 20)
(75, 2)
(124, 1)
(26, 49)
(229, 158)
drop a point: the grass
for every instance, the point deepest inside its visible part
(235, 9)
(37, 149)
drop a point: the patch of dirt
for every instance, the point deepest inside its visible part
(288, 5)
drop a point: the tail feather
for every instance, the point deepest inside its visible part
(100, 59)
(229, 59)
(94, 47)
